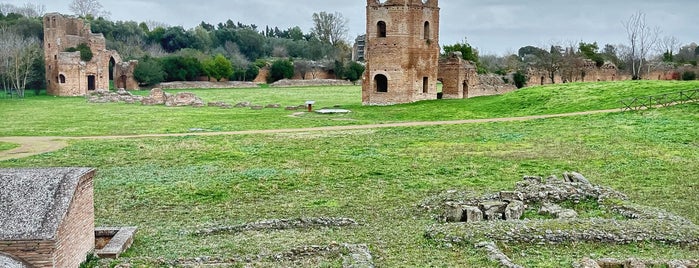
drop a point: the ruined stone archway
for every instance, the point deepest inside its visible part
(112, 65)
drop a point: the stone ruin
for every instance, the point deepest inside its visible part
(510, 205)
(66, 73)
(474, 220)
(460, 79)
(157, 97)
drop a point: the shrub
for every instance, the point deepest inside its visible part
(218, 67)
(689, 76)
(280, 69)
(354, 71)
(85, 52)
(181, 68)
(520, 79)
(149, 72)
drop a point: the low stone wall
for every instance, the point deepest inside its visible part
(489, 85)
(157, 97)
(281, 224)
(634, 263)
(206, 84)
(312, 82)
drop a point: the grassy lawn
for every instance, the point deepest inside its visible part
(4, 146)
(170, 187)
(51, 116)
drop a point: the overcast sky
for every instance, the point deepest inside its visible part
(492, 26)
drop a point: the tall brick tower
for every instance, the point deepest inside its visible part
(402, 51)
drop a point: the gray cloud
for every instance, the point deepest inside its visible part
(493, 26)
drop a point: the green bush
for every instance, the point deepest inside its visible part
(280, 69)
(149, 72)
(689, 76)
(218, 67)
(181, 68)
(85, 52)
(520, 79)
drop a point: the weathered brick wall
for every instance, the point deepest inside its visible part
(316, 74)
(123, 75)
(39, 254)
(76, 236)
(489, 85)
(457, 75)
(407, 56)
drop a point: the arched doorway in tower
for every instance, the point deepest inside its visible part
(381, 82)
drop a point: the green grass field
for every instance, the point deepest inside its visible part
(169, 187)
(51, 116)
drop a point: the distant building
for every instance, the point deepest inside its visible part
(358, 49)
(66, 73)
(46, 217)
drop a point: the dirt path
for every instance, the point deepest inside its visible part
(30, 146)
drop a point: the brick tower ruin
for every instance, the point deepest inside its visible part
(402, 51)
(66, 73)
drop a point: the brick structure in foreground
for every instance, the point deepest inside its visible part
(401, 51)
(47, 217)
(66, 73)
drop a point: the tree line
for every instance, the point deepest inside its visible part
(226, 50)
(646, 50)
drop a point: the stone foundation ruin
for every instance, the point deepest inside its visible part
(505, 217)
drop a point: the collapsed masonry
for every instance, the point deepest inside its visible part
(481, 220)
(67, 74)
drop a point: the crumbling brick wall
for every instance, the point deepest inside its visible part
(66, 73)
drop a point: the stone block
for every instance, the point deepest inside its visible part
(514, 210)
(158, 96)
(453, 212)
(243, 104)
(493, 210)
(473, 214)
(567, 214)
(257, 107)
(510, 196)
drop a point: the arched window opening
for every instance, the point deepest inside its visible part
(61, 79)
(427, 30)
(381, 29)
(381, 82)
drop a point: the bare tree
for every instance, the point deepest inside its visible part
(330, 27)
(668, 46)
(17, 54)
(86, 8)
(29, 10)
(642, 38)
